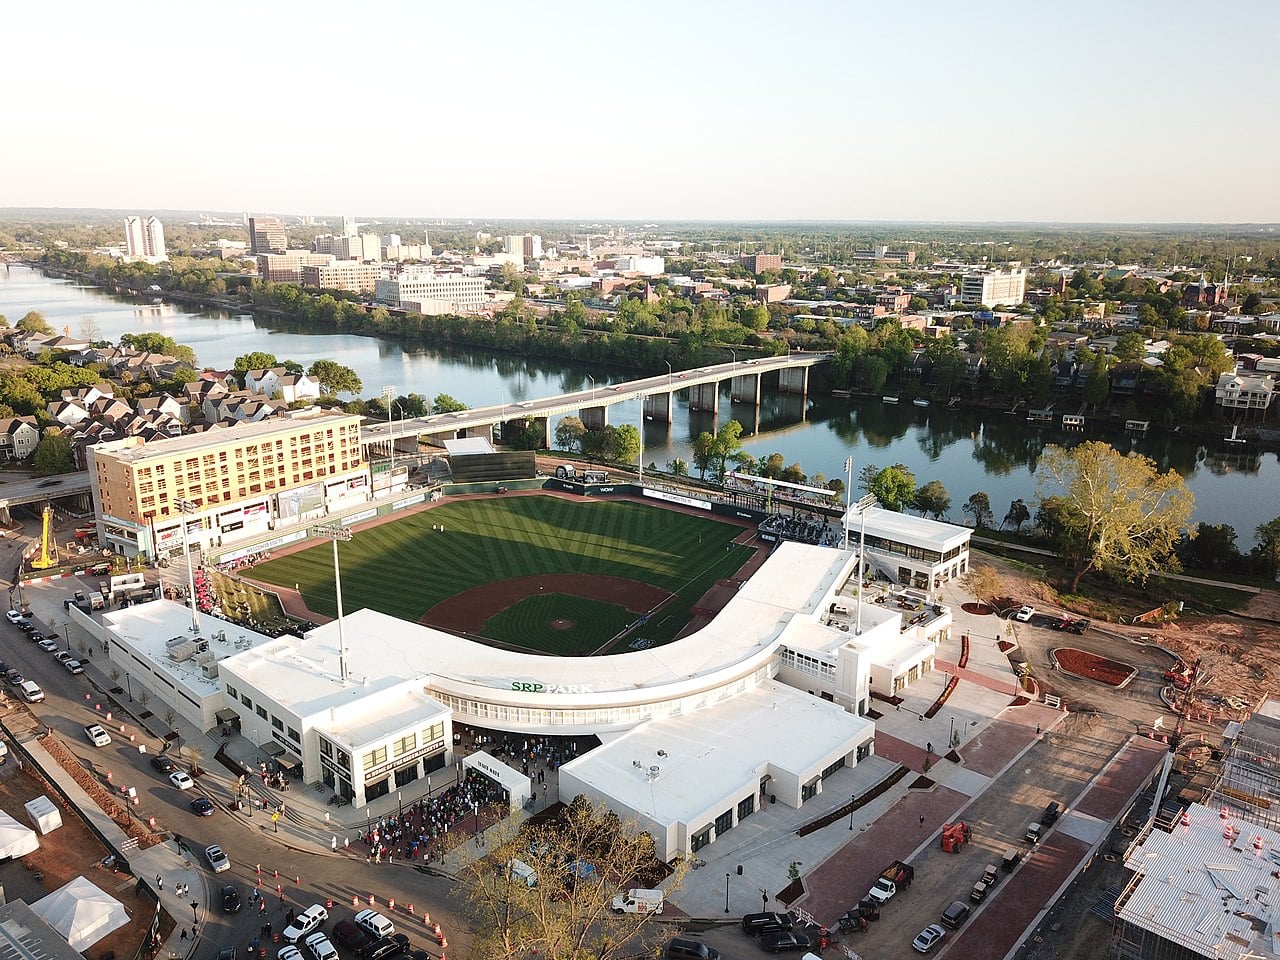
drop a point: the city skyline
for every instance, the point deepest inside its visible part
(988, 113)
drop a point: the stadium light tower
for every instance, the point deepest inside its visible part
(336, 532)
(388, 393)
(186, 508)
(862, 506)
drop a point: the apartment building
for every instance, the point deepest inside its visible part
(240, 480)
(287, 267)
(432, 293)
(761, 262)
(992, 287)
(266, 235)
(362, 246)
(144, 239)
(350, 275)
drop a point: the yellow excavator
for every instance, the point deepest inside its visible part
(48, 549)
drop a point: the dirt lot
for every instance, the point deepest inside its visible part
(66, 853)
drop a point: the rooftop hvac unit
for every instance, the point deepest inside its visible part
(209, 670)
(181, 652)
(654, 771)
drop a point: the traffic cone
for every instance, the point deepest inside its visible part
(355, 901)
(371, 899)
(391, 904)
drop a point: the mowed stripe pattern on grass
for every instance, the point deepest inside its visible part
(528, 623)
(404, 568)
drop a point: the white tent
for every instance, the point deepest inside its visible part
(44, 814)
(81, 912)
(15, 839)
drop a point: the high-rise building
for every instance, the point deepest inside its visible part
(287, 267)
(429, 292)
(762, 262)
(144, 239)
(266, 235)
(994, 287)
(349, 227)
(349, 275)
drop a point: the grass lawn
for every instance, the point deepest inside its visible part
(525, 623)
(404, 568)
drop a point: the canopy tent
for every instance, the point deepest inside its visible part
(518, 786)
(81, 912)
(44, 814)
(15, 839)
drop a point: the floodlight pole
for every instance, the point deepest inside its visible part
(186, 508)
(640, 463)
(848, 469)
(387, 393)
(336, 532)
(863, 505)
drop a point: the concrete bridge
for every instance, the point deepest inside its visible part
(592, 405)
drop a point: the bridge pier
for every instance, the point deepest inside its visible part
(794, 380)
(594, 418)
(745, 388)
(657, 406)
(705, 396)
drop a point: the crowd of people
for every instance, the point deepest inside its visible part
(815, 530)
(416, 833)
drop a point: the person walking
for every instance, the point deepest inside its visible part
(160, 886)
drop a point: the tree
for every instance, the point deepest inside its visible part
(443, 403)
(257, 360)
(1266, 555)
(567, 914)
(627, 443)
(932, 498)
(894, 487)
(1125, 517)
(569, 433)
(1130, 346)
(33, 321)
(334, 377)
(159, 343)
(727, 443)
(984, 582)
(1097, 384)
(678, 467)
(978, 509)
(702, 453)
(53, 455)
(1211, 546)
(1018, 515)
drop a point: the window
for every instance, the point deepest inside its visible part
(326, 748)
(261, 712)
(245, 700)
(433, 733)
(293, 735)
(231, 692)
(809, 791)
(375, 757)
(724, 823)
(406, 744)
(700, 839)
(746, 807)
(277, 723)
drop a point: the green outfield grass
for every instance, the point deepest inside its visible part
(404, 568)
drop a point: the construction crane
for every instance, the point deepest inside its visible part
(48, 550)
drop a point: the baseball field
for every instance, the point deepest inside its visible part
(549, 574)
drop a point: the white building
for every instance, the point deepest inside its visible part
(1243, 391)
(144, 239)
(912, 551)
(643, 266)
(426, 291)
(994, 287)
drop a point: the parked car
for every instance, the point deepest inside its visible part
(683, 948)
(219, 862)
(289, 953)
(14, 616)
(62, 656)
(14, 678)
(227, 953)
(755, 924)
(48, 646)
(955, 914)
(375, 923)
(30, 691)
(97, 735)
(320, 947)
(786, 940)
(386, 947)
(181, 780)
(352, 937)
(230, 898)
(73, 667)
(308, 920)
(1026, 613)
(163, 764)
(928, 938)
(202, 806)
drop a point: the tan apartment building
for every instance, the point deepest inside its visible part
(242, 481)
(287, 267)
(350, 275)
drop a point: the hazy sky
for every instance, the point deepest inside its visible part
(1136, 110)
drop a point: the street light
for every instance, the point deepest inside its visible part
(336, 532)
(129, 687)
(670, 372)
(852, 800)
(726, 893)
(593, 387)
(951, 738)
(387, 393)
(186, 508)
(862, 506)
(195, 916)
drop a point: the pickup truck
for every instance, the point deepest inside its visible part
(897, 876)
(990, 876)
(97, 735)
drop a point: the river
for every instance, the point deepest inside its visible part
(966, 451)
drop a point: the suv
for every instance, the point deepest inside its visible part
(308, 920)
(956, 914)
(755, 924)
(386, 947)
(352, 937)
(681, 948)
(375, 923)
(319, 947)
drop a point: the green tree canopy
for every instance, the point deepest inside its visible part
(256, 360)
(627, 443)
(1266, 555)
(159, 343)
(444, 403)
(53, 455)
(569, 433)
(932, 498)
(895, 487)
(1121, 515)
(334, 377)
(1018, 515)
(978, 509)
(33, 321)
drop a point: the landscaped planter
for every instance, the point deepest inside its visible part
(1090, 666)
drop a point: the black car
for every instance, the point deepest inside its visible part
(354, 938)
(14, 678)
(391, 946)
(756, 924)
(35, 636)
(201, 806)
(4, 668)
(51, 482)
(230, 899)
(163, 765)
(785, 940)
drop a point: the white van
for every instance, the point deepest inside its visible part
(520, 872)
(639, 901)
(31, 691)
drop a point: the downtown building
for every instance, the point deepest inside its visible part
(266, 235)
(994, 287)
(425, 291)
(350, 276)
(287, 266)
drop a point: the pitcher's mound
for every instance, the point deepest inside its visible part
(562, 624)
